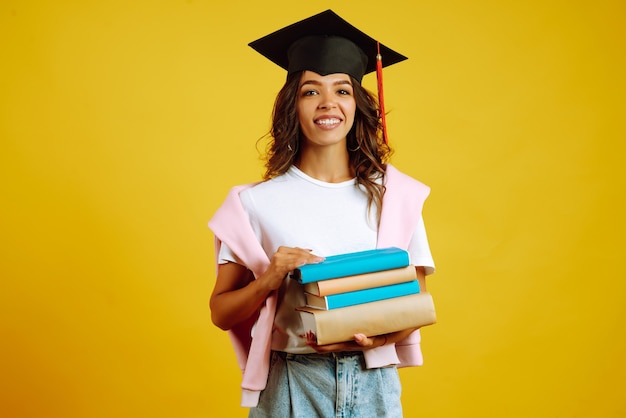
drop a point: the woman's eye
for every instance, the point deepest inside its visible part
(344, 92)
(309, 93)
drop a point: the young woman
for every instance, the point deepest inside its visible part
(327, 190)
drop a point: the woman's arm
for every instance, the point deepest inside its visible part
(237, 295)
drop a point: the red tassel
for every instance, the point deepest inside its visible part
(381, 98)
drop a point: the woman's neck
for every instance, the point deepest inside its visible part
(327, 165)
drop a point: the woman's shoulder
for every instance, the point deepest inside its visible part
(266, 190)
(271, 183)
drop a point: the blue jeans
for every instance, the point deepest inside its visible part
(328, 385)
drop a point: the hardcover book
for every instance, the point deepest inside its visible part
(341, 300)
(371, 319)
(350, 264)
(361, 281)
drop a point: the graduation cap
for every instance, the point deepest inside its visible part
(327, 44)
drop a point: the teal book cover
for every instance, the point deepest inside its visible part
(350, 264)
(357, 297)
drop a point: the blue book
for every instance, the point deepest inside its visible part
(350, 264)
(358, 297)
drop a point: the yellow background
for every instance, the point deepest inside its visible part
(124, 123)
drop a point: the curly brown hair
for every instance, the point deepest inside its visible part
(367, 151)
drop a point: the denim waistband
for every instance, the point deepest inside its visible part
(338, 354)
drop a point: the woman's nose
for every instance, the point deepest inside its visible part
(327, 102)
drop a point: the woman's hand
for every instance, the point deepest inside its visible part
(361, 342)
(284, 260)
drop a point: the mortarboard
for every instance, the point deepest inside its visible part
(326, 44)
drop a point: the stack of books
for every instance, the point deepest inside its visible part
(371, 292)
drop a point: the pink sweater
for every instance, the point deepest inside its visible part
(401, 210)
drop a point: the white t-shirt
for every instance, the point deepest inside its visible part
(296, 210)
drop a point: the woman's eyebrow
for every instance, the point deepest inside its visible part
(319, 83)
(313, 82)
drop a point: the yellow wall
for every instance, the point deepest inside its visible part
(124, 123)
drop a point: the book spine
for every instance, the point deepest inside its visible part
(361, 281)
(371, 319)
(374, 294)
(344, 265)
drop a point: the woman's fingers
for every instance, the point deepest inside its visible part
(363, 340)
(286, 259)
(360, 342)
(289, 258)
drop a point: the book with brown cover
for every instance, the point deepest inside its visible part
(361, 281)
(371, 319)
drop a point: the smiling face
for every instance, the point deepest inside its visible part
(326, 108)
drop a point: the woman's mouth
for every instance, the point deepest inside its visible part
(327, 121)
